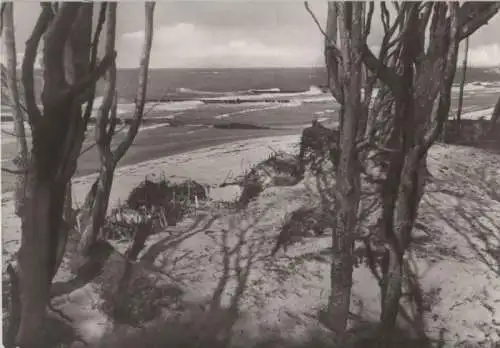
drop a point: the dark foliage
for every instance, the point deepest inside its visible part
(151, 194)
(476, 133)
(299, 224)
(317, 144)
(285, 170)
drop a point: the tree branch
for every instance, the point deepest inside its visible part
(55, 43)
(331, 60)
(387, 74)
(436, 123)
(93, 61)
(95, 75)
(102, 137)
(469, 27)
(2, 9)
(368, 20)
(28, 64)
(17, 171)
(143, 82)
(378, 66)
(331, 42)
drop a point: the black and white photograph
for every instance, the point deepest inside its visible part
(250, 174)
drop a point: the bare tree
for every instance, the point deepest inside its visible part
(11, 82)
(348, 175)
(58, 130)
(347, 29)
(401, 125)
(417, 73)
(94, 211)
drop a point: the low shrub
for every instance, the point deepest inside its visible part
(303, 222)
(279, 169)
(317, 144)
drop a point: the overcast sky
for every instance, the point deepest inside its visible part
(235, 34)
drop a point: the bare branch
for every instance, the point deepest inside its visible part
(378, 66)
(16, 171)
(2, 9)
(143, 79)
(113, 117)
(436, 123)
(101, 135)
(368, 20)
(95, 75)
(93, 61)
(387, 74)
(469, 27)
(41, 26)
(55, 43)
(331, 41)
(331, 60)
(13, 91)
(385, 16)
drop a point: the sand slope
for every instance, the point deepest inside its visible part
(457, 255)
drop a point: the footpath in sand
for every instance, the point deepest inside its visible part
(456, 251)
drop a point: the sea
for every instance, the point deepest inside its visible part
(172, 91)
(191, 84)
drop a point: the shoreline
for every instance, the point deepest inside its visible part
(131, 161)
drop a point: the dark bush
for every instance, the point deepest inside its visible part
(165, 200)
(317, 144)
(149, 194)
(252, 188)
(476, 133)
(281, 168)
(299, 224)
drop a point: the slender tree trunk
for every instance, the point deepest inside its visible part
(98, 210)
(348, 170)
(495, 116)
(462, 84)
(105, 128)
(12, 83)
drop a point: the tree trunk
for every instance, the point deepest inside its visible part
(11, 327)
(42, 216)
(98, 211)
(12, 83)
(462, 84)
(409, 195)
(58, 133)
(105, 129)
(495, 116)
(348, 170)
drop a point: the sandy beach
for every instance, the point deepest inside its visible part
(451, 256)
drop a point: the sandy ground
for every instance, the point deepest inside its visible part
(153, 142)
(456, 256)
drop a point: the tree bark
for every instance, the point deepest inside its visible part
(44, 204)
(462, 85)
(21, 159)
(347, 76)
(495, 116)
(58, 133)
(98, 211)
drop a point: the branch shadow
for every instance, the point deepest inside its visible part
(472, 217)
